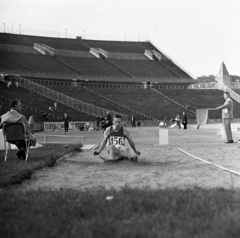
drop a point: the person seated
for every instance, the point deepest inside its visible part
(115, 136)
(14, 116)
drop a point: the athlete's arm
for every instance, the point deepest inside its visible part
(227, 104)
(104, 142)
(130, 141)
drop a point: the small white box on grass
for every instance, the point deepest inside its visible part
(163, 136)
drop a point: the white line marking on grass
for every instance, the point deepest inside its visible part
(207, 162)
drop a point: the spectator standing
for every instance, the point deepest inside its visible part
(108, 120)
(98, 119)
(9, 84)
(55, 106)
(184, 121)
(227, 115)
(31, 123)
(103, 123)
(133, 121)
(66, 120)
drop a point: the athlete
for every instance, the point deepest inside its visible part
(115, 136)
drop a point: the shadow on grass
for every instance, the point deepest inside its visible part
(14, 171)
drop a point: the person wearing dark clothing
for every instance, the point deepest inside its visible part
(66, 120)
(108, 120)
(184, 120)
(98, 119)
(133, 121)
(103, 122)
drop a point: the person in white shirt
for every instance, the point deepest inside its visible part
(15, 116)
(227, 115)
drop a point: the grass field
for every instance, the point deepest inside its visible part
(165, 194)
(15, 171)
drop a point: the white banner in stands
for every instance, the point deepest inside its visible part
(76, 125)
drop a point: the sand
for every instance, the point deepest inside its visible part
(157, 166)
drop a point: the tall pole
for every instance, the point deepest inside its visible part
(4, 27)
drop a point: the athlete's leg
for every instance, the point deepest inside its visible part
(113, 153)
(124, 152)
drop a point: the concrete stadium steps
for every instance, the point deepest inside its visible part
(175, 68)
(39, 63)
(10, 64)
(197, 99)
(93, 67)
(42, 103)
(14, 39)
(69, 66)
(115, 46)
(143, 68)
(91, 98)
(143, 101)
(169, 69)
(59, 43)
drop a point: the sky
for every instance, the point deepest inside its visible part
(198, 35)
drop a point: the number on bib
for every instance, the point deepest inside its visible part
(115, 140)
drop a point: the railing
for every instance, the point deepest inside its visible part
(125, 107)
(225, 88)
(173, 101)
(67, 34)
(66, 100)
(219, 86)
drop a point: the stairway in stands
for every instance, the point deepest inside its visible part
(198, 98)
(41, 103)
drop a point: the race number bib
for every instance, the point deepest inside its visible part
(116, 140)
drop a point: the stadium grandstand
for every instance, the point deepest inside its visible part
(86, 78)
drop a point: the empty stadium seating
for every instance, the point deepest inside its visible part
(143, 101)
(91, 98)
(41, 103)
(142, 68)
(201, 99)
(39, 63)
(79, 61)
(14, 39)
(115, 46)
(94, 67)
(8, 64)
(59, 43)
(175, 68)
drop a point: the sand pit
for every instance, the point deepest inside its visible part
(158, 166)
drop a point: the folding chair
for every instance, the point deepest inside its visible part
(14, 133)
